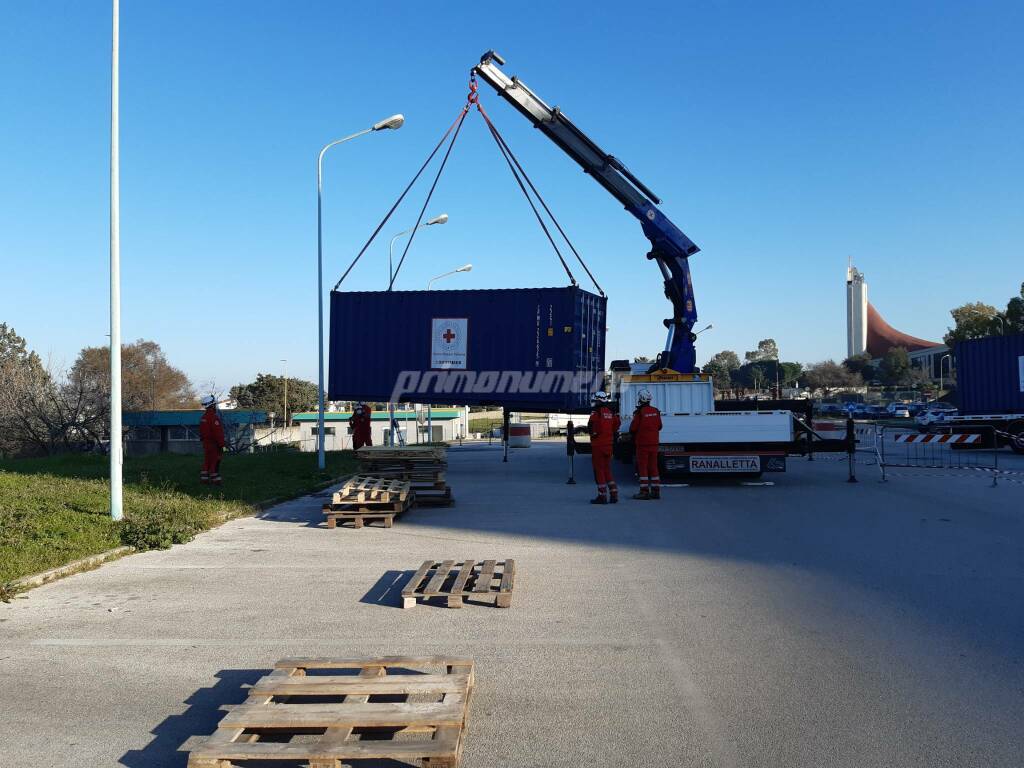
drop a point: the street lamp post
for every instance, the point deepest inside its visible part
(463, 268)
(442, 219)
(394, 122)
(430, 415)
(944, 357)
(116, 444)
(286, 424)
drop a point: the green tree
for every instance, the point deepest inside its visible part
(895, 367)
(862, 365)
(721, 367)
(791, 373)
(829, 375)
(1014, 315)
(767, 349)
(267, 394)
(973, 321)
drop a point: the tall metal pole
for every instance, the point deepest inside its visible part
(116, 495)
(392, 123)
(321, 459)
(286, 422)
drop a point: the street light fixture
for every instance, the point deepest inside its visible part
(463, 268)
(391, 123)
(944, 357)
(442, 219)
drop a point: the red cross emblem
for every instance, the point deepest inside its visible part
(448, 335)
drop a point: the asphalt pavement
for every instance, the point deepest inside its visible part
(810, 622)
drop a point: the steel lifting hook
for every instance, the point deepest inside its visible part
(472, 96)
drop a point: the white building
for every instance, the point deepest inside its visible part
(856, 312)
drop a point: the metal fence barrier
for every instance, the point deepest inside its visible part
(938, 450)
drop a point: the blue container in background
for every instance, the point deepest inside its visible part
(990, 375)
(527, 349)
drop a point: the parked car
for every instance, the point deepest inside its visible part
(935, 413)
(900, 412)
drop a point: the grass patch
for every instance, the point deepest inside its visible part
(483, 425)
(56, 510)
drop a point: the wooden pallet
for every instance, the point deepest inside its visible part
(404, 453)
(363, 499)
(433, 495)
(360, 514)
(426, 464)
(362, 488)
(456, 581)
(322, 719)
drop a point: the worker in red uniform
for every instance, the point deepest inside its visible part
(355, 422)
(366, 424)
(211, 434)
(646, 431)
(360, 423)
(603, 426)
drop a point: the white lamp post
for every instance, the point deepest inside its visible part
(463, 268)
(394, 122)
(116, 446)
(430, 415)
(442, 219)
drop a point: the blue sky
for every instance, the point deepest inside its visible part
(782, 138)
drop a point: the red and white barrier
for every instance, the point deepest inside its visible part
(957, 439)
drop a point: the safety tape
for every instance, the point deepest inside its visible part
(960, 475)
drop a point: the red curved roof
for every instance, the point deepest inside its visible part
(882, 337)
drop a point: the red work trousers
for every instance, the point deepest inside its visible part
(211, 463)
(647, 466)
(601, 456)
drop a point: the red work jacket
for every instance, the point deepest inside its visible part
(211, 431)
(603, 425)
(646, 426)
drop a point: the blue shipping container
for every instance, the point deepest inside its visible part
(990, 375)
(528, 349)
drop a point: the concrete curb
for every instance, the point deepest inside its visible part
(69, 569)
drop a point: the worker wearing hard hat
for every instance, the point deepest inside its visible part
(211, 435)
(603, 426)
(360, 424)
(646, 431)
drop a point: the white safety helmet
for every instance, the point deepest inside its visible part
(602, 398)
(208, 401)
(644, 397)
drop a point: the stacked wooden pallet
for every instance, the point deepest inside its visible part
(364, 498)
(457, 581)
(402, 709)
(424, 467)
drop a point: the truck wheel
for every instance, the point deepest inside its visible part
(1016, 431)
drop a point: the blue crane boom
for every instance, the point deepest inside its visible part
(670, 248)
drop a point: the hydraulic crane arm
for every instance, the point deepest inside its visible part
(671, 248)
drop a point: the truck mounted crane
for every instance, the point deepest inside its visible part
(695, 438)
(670, 248)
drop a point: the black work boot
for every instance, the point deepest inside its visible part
(599, 500)
(655, 493)
(643, 495)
